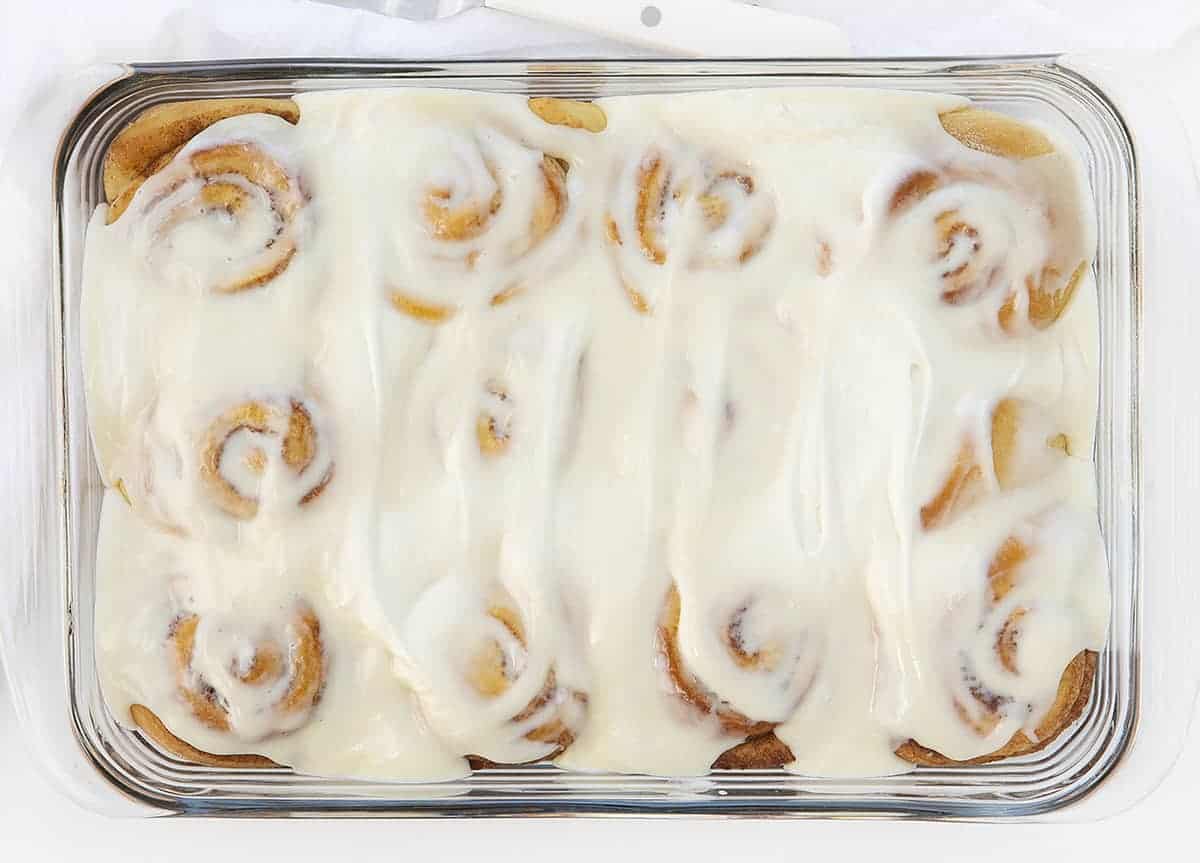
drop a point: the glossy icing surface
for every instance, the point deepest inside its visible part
(433, 429)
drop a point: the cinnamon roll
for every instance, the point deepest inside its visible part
(238, 190)
(707, 212)
(483, 686)
(273, 452)
(264, 440)
(149, 143)
(483, 195)
(993, 684)
(989, 242)
(1024, 447)
(767, 661)
(246, 679)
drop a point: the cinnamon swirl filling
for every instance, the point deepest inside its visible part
(264, 440)
(247, 682)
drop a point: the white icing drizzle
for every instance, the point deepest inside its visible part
(531, 426)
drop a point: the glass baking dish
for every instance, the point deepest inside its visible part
(49, 639)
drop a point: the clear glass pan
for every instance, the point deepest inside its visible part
(113, 768)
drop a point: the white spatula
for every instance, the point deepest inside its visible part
(708, 28)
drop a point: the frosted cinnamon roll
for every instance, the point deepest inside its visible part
(249, 679)
(264, 442)
(272, 453)
(239, 191)
(1018, 445)
(766, 663)
(149, 143)
(672, 208)
(1014, 674)
(482, 197)
(990, 242)
(483, 683)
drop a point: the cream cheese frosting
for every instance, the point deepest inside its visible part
(613, 447)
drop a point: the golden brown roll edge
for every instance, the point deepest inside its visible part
(995, 133)
(154, 728)
(762, 752)
(1074, 693)
(155, 135)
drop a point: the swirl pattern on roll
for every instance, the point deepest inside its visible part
(672, 207)
(483, 682)
(991, 246)
(484, 201)
(1022, 609)
(264, 440)
(270, 454)
(773, 658)
(1024, 446)
(247, 679)
(239, 193)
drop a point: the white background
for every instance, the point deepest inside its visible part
(44, 40)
